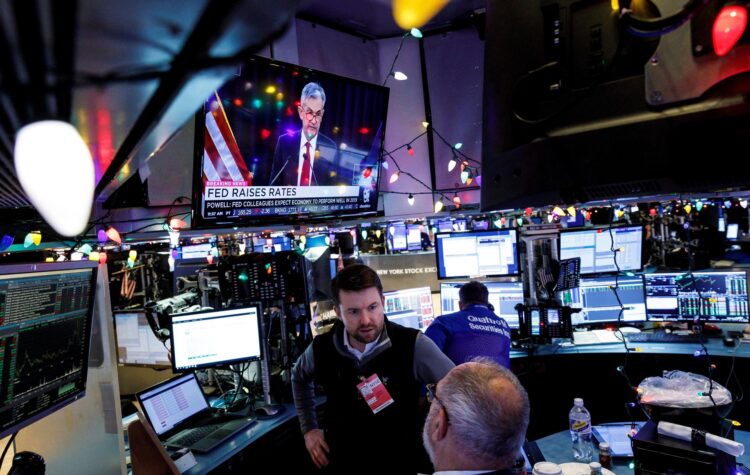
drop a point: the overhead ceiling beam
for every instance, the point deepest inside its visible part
(201, 39)
(10, 81)
(65, 17)
(31, 44)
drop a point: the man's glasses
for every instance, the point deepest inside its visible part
(432, 396)
(310, 115)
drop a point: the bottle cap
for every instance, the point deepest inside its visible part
(595, 465)
(578, 401)
(603, 446)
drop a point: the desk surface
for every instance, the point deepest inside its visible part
(715, 347)
(557, 448)
(227, 450)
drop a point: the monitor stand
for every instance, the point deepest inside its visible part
(267, 407)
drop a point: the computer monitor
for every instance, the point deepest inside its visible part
(476, 253)
(677, 296)
(481, 225)
(413, 237)
(410, 307)
(596, 298)
(136, 343)
(444, 225)
(397, 237)
(504, 296)
(594, 247)
(733, 231)
(272, 244)
(195, 251)
(46, 313)
(215, 338)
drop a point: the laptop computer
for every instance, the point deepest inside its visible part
(181, 417)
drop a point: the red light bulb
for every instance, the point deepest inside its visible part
(729, 26)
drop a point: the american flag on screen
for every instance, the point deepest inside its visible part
(222, 160)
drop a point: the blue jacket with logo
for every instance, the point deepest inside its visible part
(474, 331)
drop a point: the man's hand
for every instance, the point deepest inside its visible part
(315, 442)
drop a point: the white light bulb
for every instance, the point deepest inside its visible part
(400, 76)
(55, 168)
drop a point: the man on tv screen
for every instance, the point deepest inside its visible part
(306, 157)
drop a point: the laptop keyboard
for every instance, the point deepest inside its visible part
(596, 337)
(664, 337)
(196, 434)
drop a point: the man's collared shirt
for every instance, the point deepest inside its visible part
(360, 354)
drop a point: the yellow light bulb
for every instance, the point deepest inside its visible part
(415, 13)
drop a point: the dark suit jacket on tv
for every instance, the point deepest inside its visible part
(286, 161)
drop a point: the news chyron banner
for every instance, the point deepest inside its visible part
(235, 198)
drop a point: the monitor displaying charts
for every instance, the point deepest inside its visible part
(595, 248)
(504, 296)
(476, 253)
(715, 296)
(410, 307)
(597, 298)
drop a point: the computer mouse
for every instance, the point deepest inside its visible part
(630, 330)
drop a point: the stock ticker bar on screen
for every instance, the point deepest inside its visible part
(235, 199)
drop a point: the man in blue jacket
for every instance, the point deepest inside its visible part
(473, 331)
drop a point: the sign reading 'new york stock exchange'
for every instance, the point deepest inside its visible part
(405, 271)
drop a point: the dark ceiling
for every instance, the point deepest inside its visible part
(128, 74)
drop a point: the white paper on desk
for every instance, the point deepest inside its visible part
(186, 462)
(714, 441)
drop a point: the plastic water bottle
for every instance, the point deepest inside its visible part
(580, 431)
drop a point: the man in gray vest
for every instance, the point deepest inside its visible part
(371, 371)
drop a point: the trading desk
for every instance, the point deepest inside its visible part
(270, 445)
(556, 448)
(605, 376)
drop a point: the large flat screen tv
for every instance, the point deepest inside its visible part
(280, 141)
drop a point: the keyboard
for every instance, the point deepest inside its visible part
(196, 434)
(596, 337)
(664, 337)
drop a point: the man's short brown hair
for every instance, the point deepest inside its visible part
(474, 292)
(354, 278)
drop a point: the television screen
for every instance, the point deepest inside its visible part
(136, 343)
(215, 338)
(46, 313)
(410, 307)
(598, 302)
(502, 295)
(476, 253)
(594, 247)
(678, 296)
(279, 141)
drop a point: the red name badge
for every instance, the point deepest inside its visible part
(375, 393)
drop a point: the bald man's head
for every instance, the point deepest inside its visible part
(488, 409)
